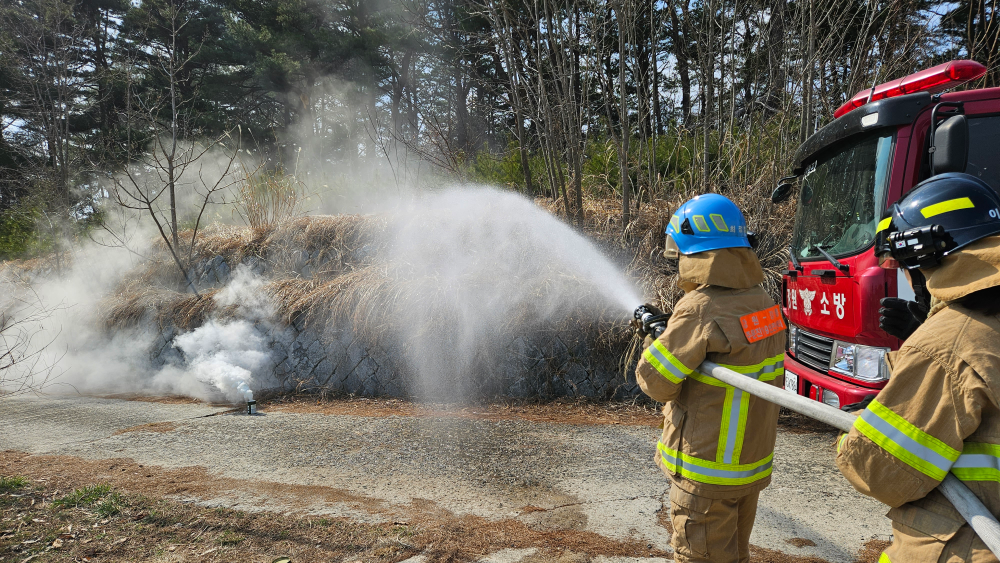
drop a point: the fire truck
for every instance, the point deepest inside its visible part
(882, 143)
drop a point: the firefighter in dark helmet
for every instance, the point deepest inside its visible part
(939, 412)
(718, 442)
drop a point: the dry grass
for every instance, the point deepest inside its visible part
(131, 309)
(130, 517)
(234, 243)
(331, 245)
(266, 196)
(135, 305)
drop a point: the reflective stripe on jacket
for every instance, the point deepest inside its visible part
(717, 442)
(938, 413)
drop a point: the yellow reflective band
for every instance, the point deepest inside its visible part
(906, 442)
(883, 224)
(701, 224)
(840, 442)
(675, 222)
(946, 206)
(719, 222)
(736, 405)
(707, 379)
(666, 363)
(714, 473)
(768, 370)
(883, 558)
(729, 418)
(741, 430)
(978, 462)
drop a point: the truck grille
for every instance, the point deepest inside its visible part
(814, 350)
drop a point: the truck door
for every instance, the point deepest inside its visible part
(984, 149)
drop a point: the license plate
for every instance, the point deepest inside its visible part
(791, 382)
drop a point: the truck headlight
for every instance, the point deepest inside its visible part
(858, 361)
(831, 398)
(793, 336)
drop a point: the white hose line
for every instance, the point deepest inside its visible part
(964, 500)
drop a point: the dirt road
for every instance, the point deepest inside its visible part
(597, 478)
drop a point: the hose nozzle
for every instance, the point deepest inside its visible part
(651, 320)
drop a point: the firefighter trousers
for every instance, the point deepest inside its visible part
(711, 530)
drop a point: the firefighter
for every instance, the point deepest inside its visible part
(939, 412)
(718, 442)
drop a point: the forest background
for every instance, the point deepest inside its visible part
(365, 96)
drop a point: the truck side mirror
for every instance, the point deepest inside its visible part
(781, 193)
(951, 146)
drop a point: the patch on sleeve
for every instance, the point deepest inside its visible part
(760, 325)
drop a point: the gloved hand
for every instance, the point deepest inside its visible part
(900, 317)
(854, 407)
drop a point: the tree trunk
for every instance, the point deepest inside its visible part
(623, 154)
(807, 80)
(678, 38)
(776, 57)
(708, 103)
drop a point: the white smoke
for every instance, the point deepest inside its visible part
(226, 355)
(223, 355)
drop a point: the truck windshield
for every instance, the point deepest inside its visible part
(841, 198)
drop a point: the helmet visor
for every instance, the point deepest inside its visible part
(670, 250)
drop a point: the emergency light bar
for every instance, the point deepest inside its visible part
(934, 80)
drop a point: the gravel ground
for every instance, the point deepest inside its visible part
(597, 478)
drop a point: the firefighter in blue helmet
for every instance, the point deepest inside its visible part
(718, 442)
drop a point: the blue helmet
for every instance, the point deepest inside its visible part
(707, 222)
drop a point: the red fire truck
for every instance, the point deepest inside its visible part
(883, 142)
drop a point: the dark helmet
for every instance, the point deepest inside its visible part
(939, 216)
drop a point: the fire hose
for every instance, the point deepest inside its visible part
(965, 501)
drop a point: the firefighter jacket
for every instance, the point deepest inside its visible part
(717, 442)
(938, 413)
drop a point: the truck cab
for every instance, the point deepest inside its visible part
(880, 146)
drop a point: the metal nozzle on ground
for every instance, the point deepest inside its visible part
(244, 388)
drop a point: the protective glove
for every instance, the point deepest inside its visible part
(900, 317)
(854, 407)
